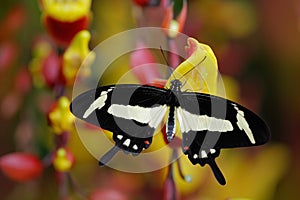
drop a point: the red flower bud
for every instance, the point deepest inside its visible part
(21, 166)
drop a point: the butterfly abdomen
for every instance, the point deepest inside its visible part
(171, 124)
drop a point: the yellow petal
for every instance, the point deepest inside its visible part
(199, 71)
(74, 56)
(61, 162)
(66, 10)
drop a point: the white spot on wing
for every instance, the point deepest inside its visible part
(120, 137)
(203, 154)
(192, 122)
(126, 142)
(98, 103)
(243, 124)
(212, 151)
(195, 156)
(151, 116)
(135, 147)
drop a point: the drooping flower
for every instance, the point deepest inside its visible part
(74, 56)
(200, 69)
(60, 118)
(63, 160)
(64, 19)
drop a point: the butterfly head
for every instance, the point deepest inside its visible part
(176, 85)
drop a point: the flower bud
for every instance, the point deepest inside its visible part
(73, 58)
(60, 118)
(63, 160)
(21, 166)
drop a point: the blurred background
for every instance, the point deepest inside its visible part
(257, 44)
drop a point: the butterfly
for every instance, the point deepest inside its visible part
(208, 123)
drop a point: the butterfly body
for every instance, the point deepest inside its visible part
(133, 112)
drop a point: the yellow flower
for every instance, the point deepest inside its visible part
(63, 160)
(63, 19)
(74, 56)
(66, 10)
(60, 117)
(199, 70)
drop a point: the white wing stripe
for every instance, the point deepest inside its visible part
(97, 104)
(151, 116)
(243, 124)
(192, 122)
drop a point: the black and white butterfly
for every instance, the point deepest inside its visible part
(133, 112)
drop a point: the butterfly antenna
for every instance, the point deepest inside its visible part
(164, 56)
(166, 60)
(193, 67)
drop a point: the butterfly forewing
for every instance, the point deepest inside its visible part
(131, 112)
(234, 125)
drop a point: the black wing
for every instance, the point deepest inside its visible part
(209, 123)
(131, 112)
